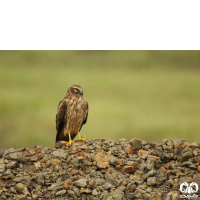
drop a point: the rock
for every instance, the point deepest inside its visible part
(2, 183)
(60, 153)
(148, 174)
(21, 188)
(175, 196)
(87, 163)
(108, 186)
(94, 192)
(22, 179)
(143, 154)
(2, 166)
(151, 181)
(113, 160)
(128, 169)
(56, 186)
(55, 162)
(82, 190)
(117, 194)
(186, 154)
(129, 196)
(65, 185)
(136, 144)
(12, 164)
(100, 169)
(150, 162)
(61, 192)
(21, 197)
(111, 179)
(129, 149)
(40, 179)
(10, 183)
(102, 160)
(37, 165)
(18, 156)
(121, 187)
(81, 182)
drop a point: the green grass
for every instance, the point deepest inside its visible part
(149, 95)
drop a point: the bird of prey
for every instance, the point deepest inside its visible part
(71, 115)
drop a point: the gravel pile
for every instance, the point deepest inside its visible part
(100, 169)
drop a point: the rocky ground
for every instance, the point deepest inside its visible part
(101, 169)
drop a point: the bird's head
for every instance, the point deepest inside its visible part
(76, 90)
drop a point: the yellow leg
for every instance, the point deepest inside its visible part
(80, 138)
(70, 140)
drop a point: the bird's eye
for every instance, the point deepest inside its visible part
(75, 90)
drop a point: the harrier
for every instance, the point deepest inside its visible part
(71, 115)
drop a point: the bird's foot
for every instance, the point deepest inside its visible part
(70, 142)
(82, 139)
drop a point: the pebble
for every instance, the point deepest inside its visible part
(100, 169)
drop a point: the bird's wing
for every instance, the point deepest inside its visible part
(85, 120)
(60, 117)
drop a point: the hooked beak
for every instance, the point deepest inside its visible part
(81, 92)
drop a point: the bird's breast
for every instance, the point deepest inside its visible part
(75, 114)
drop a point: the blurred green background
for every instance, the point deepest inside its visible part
(149, 95)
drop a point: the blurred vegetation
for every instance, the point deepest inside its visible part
(149, 95)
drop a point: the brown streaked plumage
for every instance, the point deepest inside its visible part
(71, 114)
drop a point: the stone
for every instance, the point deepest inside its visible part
(81, 182)
(143, 154)
(88, 149)
(175, 196)
(129, 196)
(60, 192)
(118, 167)
(86, 162)
(94, 192)
(55, 162)
(21, 197)
(10, 183)
(111, 179)
(37, 165)
(185, 154)
(40, 179)
(100, 169)
(87, 191)
(151, 181)
(2, 166)
(2, 183)
(18, 156)
(22, 179)
(128, 169)
(56, 186)
(11, 165)
(130, 163)
(129, 149)
(149, 173)
(21, 188)
(102, 160)
(150, 162)
(108, 186)
(136, 144)
(66, 185)
(60, 153)
(113, 160)
(117, 194)
(121, 187)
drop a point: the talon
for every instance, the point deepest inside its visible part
(70, 140)
(83, 139)
(80, 138)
